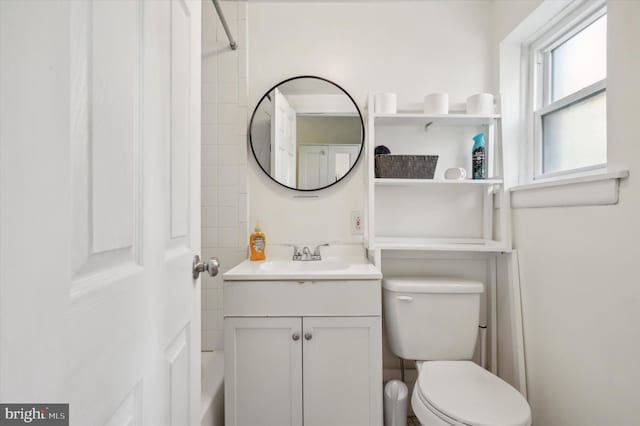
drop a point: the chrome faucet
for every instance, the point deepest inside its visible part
(306, 254)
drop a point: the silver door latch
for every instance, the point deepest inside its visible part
(211, 266)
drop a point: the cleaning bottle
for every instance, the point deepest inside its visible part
(257, 244)
(478, 157)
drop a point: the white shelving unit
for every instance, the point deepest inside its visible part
(441, 119)
(493, 232)
(447, 227)
(418, 182)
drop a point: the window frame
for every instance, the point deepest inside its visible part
(573, 19)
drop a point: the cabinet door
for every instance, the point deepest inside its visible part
(263, 371)
(342, 360)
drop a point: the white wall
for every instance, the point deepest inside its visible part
(224, 156)
(402, 47)
(580, 286)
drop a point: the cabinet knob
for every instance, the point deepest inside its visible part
(308, 336)
(296, 336)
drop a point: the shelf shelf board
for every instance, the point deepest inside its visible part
(441, 119)
(431, 244)
(418, 182)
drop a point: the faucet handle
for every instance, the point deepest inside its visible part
(296, 251)
(316, 252)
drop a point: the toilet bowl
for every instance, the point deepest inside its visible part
(462, 393)
(435, 321)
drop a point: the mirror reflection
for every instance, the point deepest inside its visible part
(306, 133)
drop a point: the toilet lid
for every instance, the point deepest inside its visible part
(471, 395)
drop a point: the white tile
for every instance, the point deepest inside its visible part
(210, 113)
(207, 281)
(233, 27)
(241, 179)
(228, 176)
(226, 113)
(242, 208)
(227, 216)
(210, 318)
(209, 21)
(209, 155)
(210, 216)
(243, 62)
(217, 339)
(228, 92)
(228, 237)
(210, 298)
(242, 33)
(242, 130)
(228, 66)
(209, 134)
(235, 136)
(231, 114)
(243, 235)
(243, 9)
(210, 237)
(230, 10)
(209, 69)
(244, 152)
(242, 91)
(209, 92)
(207, 339)
(226, 134)
(209, 196)
(230, 155)
(228, 196)
(229, 257)
(209, 176)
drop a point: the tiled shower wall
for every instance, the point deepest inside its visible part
(224, 156)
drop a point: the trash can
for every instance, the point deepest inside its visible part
(395, 403)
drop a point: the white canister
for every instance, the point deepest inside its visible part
(436, 103)
(480, 104)
(455, 173)
(385, 103)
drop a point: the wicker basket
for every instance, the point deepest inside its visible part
(406, 166)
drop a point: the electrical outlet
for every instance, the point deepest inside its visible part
(356, 222)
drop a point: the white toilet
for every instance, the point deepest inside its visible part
(435, 322)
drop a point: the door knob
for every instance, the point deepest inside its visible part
(296, 336)
(308, 336)
(211, 266)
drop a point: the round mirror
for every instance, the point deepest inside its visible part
(306, 133)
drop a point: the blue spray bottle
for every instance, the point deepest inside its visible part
(479, 157)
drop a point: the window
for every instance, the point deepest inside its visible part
(569, 94)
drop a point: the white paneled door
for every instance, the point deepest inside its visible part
(99, 208)
(283, 140)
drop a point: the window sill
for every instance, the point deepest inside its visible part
(594, 189)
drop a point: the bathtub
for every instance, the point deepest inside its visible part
(212, 379)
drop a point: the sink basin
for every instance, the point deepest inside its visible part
(295, 267)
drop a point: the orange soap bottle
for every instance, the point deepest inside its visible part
(257, 244)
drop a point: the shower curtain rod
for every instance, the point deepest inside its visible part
(232, 42)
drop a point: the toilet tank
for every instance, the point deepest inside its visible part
(428, 318)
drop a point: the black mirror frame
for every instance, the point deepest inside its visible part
(267, 94)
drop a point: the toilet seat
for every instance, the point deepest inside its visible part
(463, 393)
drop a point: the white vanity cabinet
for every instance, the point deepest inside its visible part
(263, 371)
(342, 380)
(303, 352)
